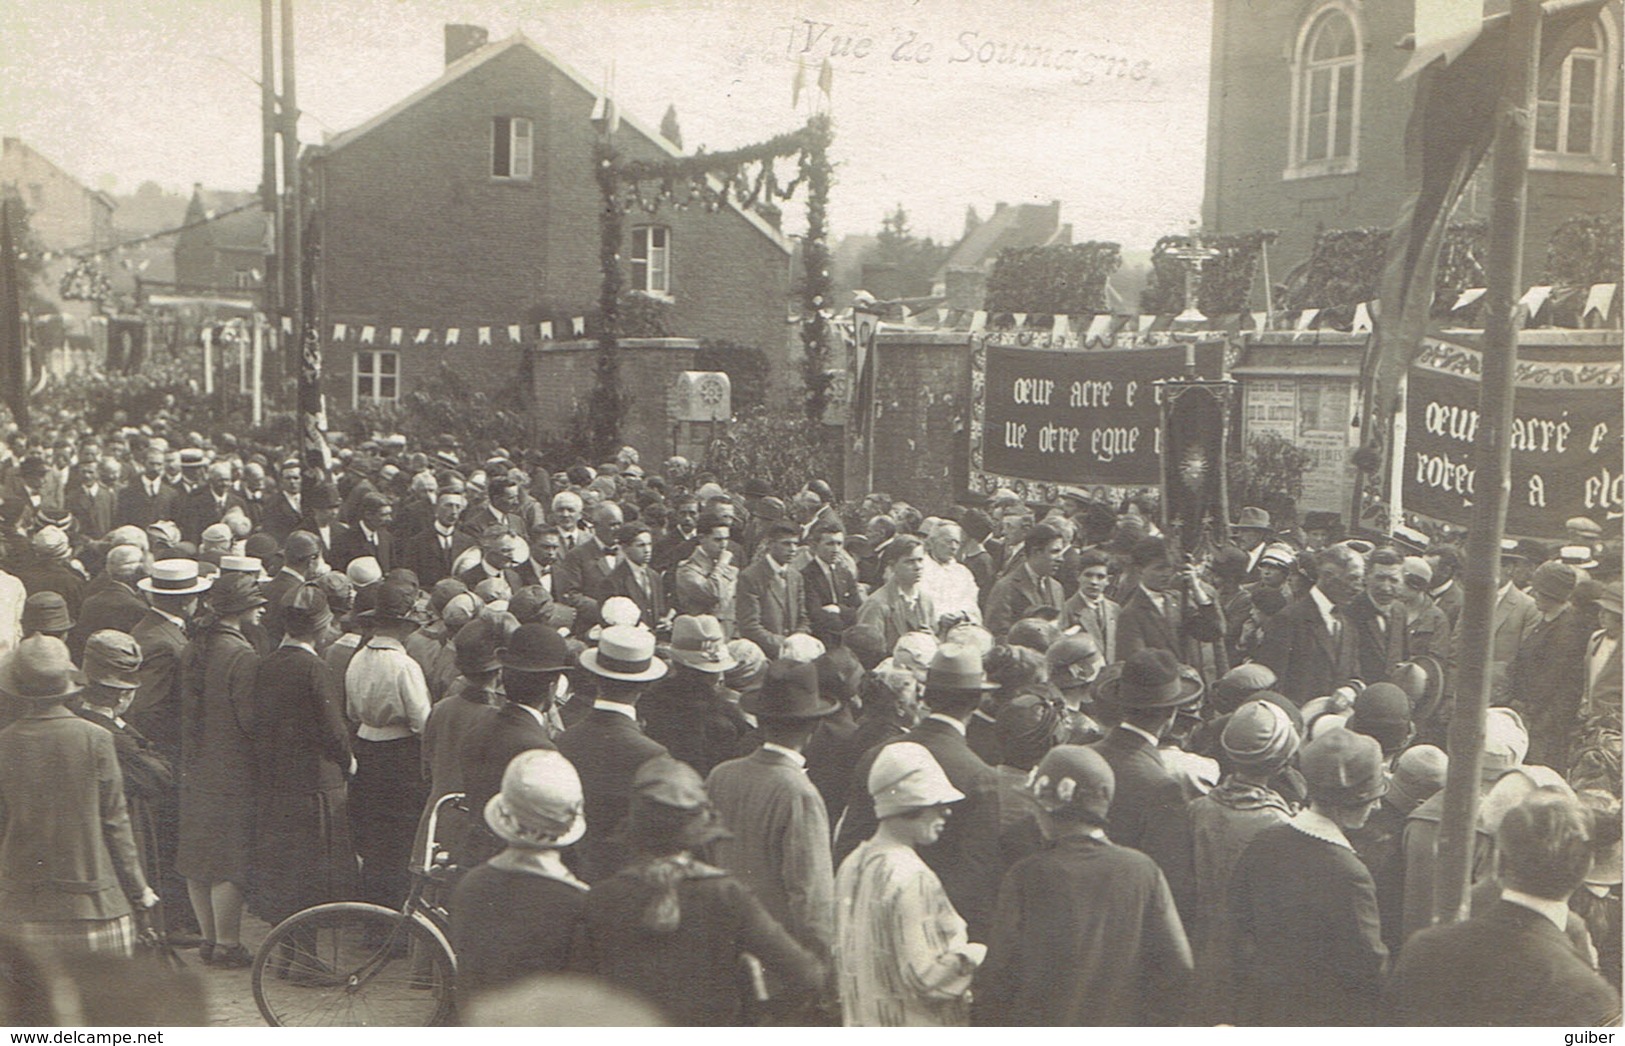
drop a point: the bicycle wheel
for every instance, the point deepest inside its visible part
(352, 964)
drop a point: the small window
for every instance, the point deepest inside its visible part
(651, 259)
(511, 151)
(243, 280)
(1566, 110)
(377, 377)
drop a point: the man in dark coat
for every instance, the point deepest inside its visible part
(532, 662)
(1512, 964)
(769, 605)
(299, 562)
(92, 502)
(1377, 618)
(1547, 679)
(607, 746)
(582, 575)
(282, 511)
(1301, 921)
(1148, 810)
(303, 852)
(322, 519)
(370, 536)
(146, 498)
(115, 604)
(1169, 609)
(966, 858)
(1030, 585)
(831, 588)
(431, 552)
(209, 504)
(1309, 645)
(633, 577)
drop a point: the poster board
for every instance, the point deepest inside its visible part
(1566, 429)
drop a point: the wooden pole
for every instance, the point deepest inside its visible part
(1493, 459)
(270, 198)
(258, 374)
(208, 360)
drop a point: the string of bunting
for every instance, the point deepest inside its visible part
(90, 251)
(396, 336)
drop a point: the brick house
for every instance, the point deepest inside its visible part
(1306, 125)
(64, 213)
(472, 204)
(224, 258)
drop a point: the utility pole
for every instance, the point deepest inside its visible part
(270, 197)
(293, 209)
(298, 293)
(1504, 276)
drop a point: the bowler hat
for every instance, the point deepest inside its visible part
(534, 647)
(39, 669)
(475, 647)
(789, 691)
(112, 659)
(624, 652)
(1150, 678)
(1343, 768)
(46, 612)
(305, 611)
(905, 776)
(235, 593)
(540, 806)
(957, 666)
(1074, 783)
(697, 641)
(1252, 518)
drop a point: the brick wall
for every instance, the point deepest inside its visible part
(922, 391)
(415, 231)
(565, 375)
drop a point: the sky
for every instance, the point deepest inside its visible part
(938, 104)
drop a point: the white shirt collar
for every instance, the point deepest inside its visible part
(539, 715)
(1150, 738)
(1318, 826)
(175, 619)
(1442, 589)
(445, 532)
(779, 569)
(629, 711)
(1557, 912)
(300, 643)
(1155, 597)
(950, 720)
(788, 753)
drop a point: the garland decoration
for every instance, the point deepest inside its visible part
(1227, 277)
(85, 281)
(1064, 279)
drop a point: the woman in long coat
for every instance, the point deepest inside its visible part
(302, 853)
(217, 769)
(69, 872)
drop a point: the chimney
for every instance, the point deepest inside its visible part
(463, 40)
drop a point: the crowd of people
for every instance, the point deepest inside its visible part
(752, 758)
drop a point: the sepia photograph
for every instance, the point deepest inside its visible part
(807, 514)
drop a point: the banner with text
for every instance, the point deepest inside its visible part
(1566, 450)
(1086, 417)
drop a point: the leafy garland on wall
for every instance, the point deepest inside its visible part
(1069, 279)
(1345, 268)
(1227, 278)
(1583, 250)
(746, 178)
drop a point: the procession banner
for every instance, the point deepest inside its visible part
(1566, 428)
(1048, 416)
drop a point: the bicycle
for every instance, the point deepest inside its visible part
(356, 964)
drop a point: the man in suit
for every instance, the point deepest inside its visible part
(255, 498)
(1310, 646)
(582, 576)
(1148, 809)
(635, 579)
(1169, 609)
(1601, 698)
(899, 606)
(1089, 608)
(93, 500)
(370, 536)
(501, 507)
(209, 504)
(1512, 964)
(322, 518)
(115, 603)
(1377, 618)
(831, 588)
(300, 560)
(966, 858)
(146, 498)
(707, 581)
(532, 661)
(1029, 586)
(1446, 591)
(680, 537)
(431, 552)
(779, 845)
(1515, 616)
(282, 507)
(607, 745)
(770, 604)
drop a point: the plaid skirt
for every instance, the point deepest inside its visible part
(93, 936)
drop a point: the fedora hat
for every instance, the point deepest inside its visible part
(235, 593)
(1252, 518)
(533, 648)
(957, 666)
(1150, 678)
(394, 604)
(540, 806)
(624, 652)
(697, 641)
(789, 691)
(174, 577)
(39, 669)
(112, 659)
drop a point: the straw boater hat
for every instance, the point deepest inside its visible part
(624, 653)
(175, 577)
(1252, 519)
(40, 669)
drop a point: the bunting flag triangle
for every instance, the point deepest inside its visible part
(368, 333)
(1145, 323)
(339, 331)
(1362, 319)
(1533, 299)
(1261, 320)
(395, 334)
(1467, 297)
(978, 320)
(453, 335)
(1600, 299)
(1444, 29)
(1306, 318)
(513, 333)
(544, 330)
(1100, 328)
(484, 335)
(422, 336)
(1021, 319)
(1062, 326)
(578, 325)
(287, 325)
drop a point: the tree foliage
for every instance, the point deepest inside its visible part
(1064, 278)
(914, 260)
(773, 445)
(1583, 250)
(1269, 474)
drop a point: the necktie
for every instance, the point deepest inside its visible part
(1100, 620)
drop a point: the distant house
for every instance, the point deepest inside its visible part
(471, 206)
(64, 214)
(1306, 125)
(225, 257)
(962, 279)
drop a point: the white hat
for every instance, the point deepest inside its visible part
(624, 653)
(242, 564)
(905, 777)
(801, 647)
(1578, 557)
(175, 577)
(363, 571)
(540, 805)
